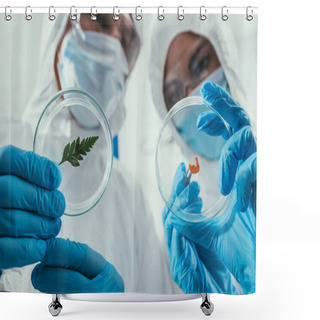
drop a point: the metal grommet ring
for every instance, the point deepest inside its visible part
(116, 16)
(93, 16)
(180, 13)
(7, 16)
(203, 13)
(249, 17)
(160, 16)
(51, 15)
(138, 16)
(224, 13)
(73, 15)
(28, 10)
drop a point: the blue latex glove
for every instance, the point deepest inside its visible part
(193, 267)
(72, 267)
(239, 152)
(30, 206)
(227, 242)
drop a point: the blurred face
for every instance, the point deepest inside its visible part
(123, 30)
(75, 65)
(190, 60)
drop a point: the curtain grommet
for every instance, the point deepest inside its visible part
(180, 13)
(224, 13)
(116, 16)
(28, 12)
(93, 15)
(52, 10)
(203, 13)
(73, 13)
(7, 14)
(160, 15)
(138, 15)
(249, 16)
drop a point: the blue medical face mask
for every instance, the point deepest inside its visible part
(94, 62)
(218, 77)
(186, 123)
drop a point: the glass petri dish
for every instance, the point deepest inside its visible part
(180, 142)
(82, 186)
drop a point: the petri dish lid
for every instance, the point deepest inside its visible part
(180, 142)
(59, 125)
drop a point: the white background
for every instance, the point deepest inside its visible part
(288, 237)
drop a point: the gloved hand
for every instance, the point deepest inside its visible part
(194, 268)
(239, 152)
(30, 206)
(226, 244)
(72, 267)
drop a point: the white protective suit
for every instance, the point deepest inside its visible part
(119, 227)
(222, 37)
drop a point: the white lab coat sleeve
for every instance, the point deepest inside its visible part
(152, 273)
(15, 132)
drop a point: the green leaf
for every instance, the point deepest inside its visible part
(78, 143)
(66, 152)
(81, 151)
(72, 147)
(74, 162)
(73, 152)
(78, 156)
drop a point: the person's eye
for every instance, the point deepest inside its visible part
(201, 67)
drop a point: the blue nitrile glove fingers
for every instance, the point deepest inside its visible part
(247, 182)
(230, 244)
(182, 196)
(179, 181)
(212, 92)
(225, 105)
(189, 200)
(80, 257)
(17, 193)
(30, 166)
(186, 269)
(20, 252)
(212, 124)
(238, 148)
(24, 224)
(71, 267)
(30, 206)
(185, 266)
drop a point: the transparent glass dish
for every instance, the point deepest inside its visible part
(82, 186)
(180, 141)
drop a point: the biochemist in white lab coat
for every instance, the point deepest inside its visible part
(112, 248)
(201, 58)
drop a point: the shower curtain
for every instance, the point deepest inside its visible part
(142, 177)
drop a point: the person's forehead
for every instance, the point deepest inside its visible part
(180, 46)
(181, 49)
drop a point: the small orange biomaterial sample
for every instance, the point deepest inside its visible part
(194, 168)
